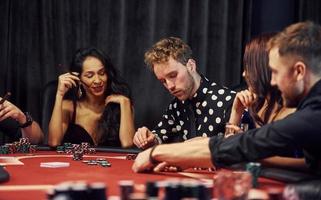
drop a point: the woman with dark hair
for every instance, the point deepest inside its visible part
(261, 100)
(97, 107)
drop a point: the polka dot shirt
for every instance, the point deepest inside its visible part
(209, 107)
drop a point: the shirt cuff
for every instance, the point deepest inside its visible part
(214, 145)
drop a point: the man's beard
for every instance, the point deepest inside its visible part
(290, 103)
(190, 88)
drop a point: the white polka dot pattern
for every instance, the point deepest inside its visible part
(221, 91)
(209, 106)
(204, 90)
(219, 104)
(198, 111)
(205, 119)
(218, 120)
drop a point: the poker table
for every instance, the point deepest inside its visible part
(30, 181)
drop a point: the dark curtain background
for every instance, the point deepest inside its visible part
(38, 38)
(310, 10)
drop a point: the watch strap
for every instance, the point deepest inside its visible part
(28, 122)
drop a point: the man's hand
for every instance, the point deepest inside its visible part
(142, 161)
(144, 138)
(7, 109)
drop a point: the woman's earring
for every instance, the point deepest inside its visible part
(79, 92)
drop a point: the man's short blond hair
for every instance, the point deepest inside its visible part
(302, 40)
(166, 48)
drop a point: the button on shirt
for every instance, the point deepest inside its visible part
(209, 109)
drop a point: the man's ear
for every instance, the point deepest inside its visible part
(299, 70)
(191, 65)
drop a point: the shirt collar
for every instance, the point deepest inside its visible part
(314, 91)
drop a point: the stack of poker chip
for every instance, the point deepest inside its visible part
(70, 148)
(78, 154)
(99, 161)
(77, 150)
(126, 189)
(85, 146)
(169, 189)
(152, 190)
(21, 146)
(255, 169)
(78, 190)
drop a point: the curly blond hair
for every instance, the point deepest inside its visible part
(168, 47)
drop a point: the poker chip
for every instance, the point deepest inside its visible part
(105, 164)
(168, 189)
(131, 156)
(98, 191)
(21, 146)
(126, 189)
(98, 161)
(255, 169)
(92, 162)
(152, 189)
(78, 190)
(78, 154)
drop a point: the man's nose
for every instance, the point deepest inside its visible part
(170, 85)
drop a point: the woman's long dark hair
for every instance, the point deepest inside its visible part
(109, 123)
(258, 77)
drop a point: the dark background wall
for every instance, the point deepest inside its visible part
(38, 38)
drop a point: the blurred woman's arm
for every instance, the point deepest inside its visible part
(127, 128)
(60, 117)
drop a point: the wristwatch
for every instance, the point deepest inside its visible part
(28, 122)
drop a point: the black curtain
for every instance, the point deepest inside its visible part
(38, 38)
(309, 10)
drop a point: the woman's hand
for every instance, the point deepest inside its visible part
(243, 100)
(116, 98)
(67, 81)
(231, 129)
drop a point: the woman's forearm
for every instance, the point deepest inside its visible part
(55, 130)
(127, 128)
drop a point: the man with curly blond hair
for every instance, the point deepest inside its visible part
(199, 108)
